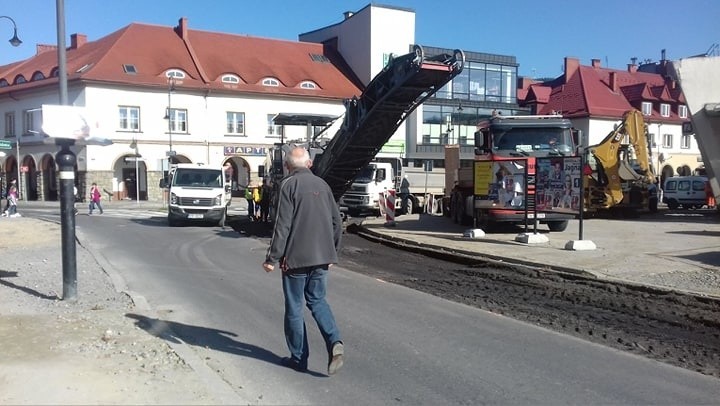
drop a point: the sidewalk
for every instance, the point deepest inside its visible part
(677, 250)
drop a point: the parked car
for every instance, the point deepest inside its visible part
(687, 192)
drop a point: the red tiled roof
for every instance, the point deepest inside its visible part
(589, 92)
(203, 56)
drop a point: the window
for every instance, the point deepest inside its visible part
(685, 141)
(319, 58)
(667, 141)
(38, 76)
(31, 122)
(232, 79)
(665, 110)
(682, 111)
(273, 130)
(308, 85)
(175, 73)
(178, 120)
(235, 123)
(129, 118)
(271, 82)
(10, 124)
(646, 108)
(20, 79)
(129, 69)
(4, 83)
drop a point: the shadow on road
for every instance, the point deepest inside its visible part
(213, 339)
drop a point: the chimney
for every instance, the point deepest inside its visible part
(571, 66)
(182, 28)
(40, 48)
(595, 63)
(613, 82)
(348, 14)
(77, 40)
(632, 68)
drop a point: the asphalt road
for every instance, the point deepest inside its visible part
(403, 346)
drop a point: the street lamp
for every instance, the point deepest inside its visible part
(14, 41)
(168, 116)
(136, 158)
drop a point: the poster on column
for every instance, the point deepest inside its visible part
(500, 184)
(558, 185)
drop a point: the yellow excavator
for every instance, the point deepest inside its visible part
(619, 173)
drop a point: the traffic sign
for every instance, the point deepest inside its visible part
(170, 153)
(5, 144)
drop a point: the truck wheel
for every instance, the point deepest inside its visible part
(557, 226)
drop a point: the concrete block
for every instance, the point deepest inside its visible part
(580, 245)
(474, 233)
(531, 238)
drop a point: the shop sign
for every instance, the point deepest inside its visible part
(245, 150)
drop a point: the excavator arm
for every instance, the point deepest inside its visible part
(612, 157)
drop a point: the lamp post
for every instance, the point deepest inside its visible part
(169, 116)
(14, 41)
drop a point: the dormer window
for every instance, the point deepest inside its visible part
(646, 108)
(682, 111)
(20, 79)
(4, 83)
(175, 73)
(308, 85)
(38, 76)
(231, 79)
(665, 110)
(271, 82)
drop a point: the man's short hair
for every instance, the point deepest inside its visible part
(298, 157)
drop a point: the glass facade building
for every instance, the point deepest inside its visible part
(487, 84)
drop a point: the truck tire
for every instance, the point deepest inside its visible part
(557, 226)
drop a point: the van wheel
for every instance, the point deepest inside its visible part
(172, 222)
(672, 204)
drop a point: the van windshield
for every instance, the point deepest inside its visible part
(197, 177)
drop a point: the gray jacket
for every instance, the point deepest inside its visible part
(308, 227)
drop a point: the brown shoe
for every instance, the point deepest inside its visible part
(336, 358)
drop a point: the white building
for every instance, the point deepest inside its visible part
(182, 95)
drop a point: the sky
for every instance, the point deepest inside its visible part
(539, 34)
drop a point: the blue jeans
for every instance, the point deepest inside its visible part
(93, 205)
(309, 284)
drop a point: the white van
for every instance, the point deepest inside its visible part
(685, 191)
(198, 193)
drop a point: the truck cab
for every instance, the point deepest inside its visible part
(364, 193)
(198, 193)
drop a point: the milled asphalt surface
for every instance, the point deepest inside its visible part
(677, 250)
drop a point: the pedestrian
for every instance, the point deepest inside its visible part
(265, 197)
(95, 199)
(250, 202)
(404, 194)
(709, 196)
(257, 199)
(6, 194)
(75, 198)
(305, 243)
(12, 198)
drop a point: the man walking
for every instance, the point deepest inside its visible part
(305, 242)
